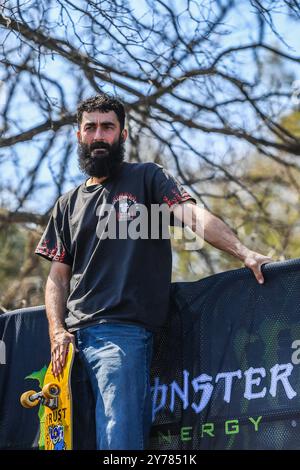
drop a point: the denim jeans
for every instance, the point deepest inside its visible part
(118, 358)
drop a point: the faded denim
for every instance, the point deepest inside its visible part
(118, 358)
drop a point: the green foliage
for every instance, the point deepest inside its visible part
(292, 123)
(264, 215)
(12, 244)
(22, 274)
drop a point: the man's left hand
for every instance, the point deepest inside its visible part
(254, 261)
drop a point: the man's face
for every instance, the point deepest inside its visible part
(100, 143)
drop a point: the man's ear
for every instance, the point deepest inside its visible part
(124, 134)
(78, 134)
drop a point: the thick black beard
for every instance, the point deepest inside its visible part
(102, 165)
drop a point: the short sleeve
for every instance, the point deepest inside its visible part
(52, 245)
(167, 190)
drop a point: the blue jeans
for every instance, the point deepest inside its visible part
(118, 359)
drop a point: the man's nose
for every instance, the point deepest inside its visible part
(98, 134)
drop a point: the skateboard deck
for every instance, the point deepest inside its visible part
(56, 396)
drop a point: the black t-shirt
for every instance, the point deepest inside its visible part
(115, 279)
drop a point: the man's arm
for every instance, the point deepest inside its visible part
(219, 235)
(57, 291)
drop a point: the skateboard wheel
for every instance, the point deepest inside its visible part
(51, 390)
(27, 401)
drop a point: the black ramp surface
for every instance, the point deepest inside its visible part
(225, 373)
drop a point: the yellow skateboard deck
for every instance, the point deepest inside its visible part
(56, 396)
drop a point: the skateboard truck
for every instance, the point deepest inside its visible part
(47, 397)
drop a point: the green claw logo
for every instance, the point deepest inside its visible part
(40, 376)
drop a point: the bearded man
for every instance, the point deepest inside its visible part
(108, 293)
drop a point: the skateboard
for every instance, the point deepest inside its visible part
(56, 396)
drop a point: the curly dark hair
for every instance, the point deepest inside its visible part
(103, 103)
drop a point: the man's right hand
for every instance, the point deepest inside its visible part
(60, 341)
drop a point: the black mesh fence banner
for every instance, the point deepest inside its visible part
(225, 372)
